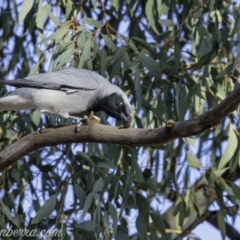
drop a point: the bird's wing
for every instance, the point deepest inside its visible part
(66, 79)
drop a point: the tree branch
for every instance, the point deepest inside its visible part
(211, 217)
(231, 231)
(127, 137)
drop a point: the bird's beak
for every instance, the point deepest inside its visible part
(126, 120)
(126, 117)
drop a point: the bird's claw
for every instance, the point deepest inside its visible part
(42, 129)
(77, 129)
(91, 120)
(120, 126)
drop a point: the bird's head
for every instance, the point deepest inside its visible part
(117, 105)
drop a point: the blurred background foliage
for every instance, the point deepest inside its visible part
(175, 59)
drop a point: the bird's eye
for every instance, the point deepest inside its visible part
(120, 106)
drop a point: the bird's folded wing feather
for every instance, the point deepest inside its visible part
(65, 79)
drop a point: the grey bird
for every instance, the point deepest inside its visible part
(68, 93)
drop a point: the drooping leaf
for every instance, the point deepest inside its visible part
(26, 7)
(236, 190)
(98, 185)
(35, 117)
(166, 22)
(87, 204)
(159, 224)
(45, 210)
(151, 65)
(230, 148)
(192, 160)
(221, 224)
(113, 213)
(79, 192)
(6, 211)
(143, 206)
(92, 22)
(141, 227)
(86, 225)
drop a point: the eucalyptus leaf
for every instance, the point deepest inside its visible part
(26, 7)
(45, 210)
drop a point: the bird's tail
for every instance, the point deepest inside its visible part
(14, 102)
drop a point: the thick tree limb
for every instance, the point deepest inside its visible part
(128, 137)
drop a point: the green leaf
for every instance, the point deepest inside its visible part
(104, 164)
(35, 117)
(83, 156)
(143, 206)
(2, 224)
(207, 58)
(144, 44)
(45, 210)
(6, 211)
(95, 3)
(190, 141)
(205, 46)
(67, 53)
(113, 213)
(57, 35)
(159, 223)
(40, 15)
(35, 68)
(98, 186)
(236, 190)
(221, 224)
(151, 65)
(149, 14)
(51, 16)
(141, 227)
(193, 161)
(138, 89)
(80, 194)
(132, 46)
(230, 148)
(86, 225)
(16, 175)
(92, 22)
(87, 204)
(120, 235)
(162, 7)
(109, 42)
(166, 22)
(182, 100)
(219, 173)
(26, 7)
(227, 71)
(179, 212)
(177, 56)
(163, 35)
(119, 54)
(86, 54)
(103, 57)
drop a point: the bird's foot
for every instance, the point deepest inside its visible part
(77, 129)
(120, 126)
(123, 125)
(91, 120)
(42, 129)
